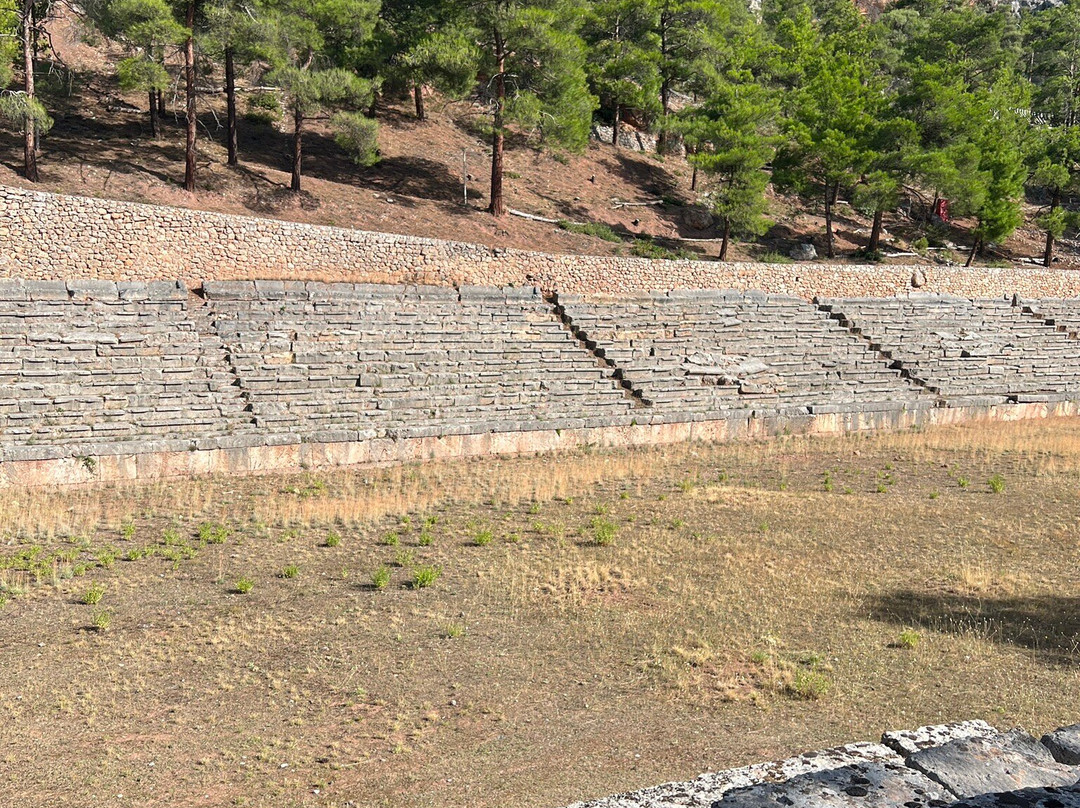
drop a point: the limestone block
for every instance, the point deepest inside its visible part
(1064, 744)
(879, 784)
(1025, 798)
(1006, 762)
(908, 742)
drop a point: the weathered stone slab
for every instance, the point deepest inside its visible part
(708, 788)
(908, 742)
(1006, 762)
(871, 784)
(1025, 798)
(1064, 744)
(92, 289)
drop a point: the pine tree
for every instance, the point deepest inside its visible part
(830, 124)
(623, 55)
(887, 167)
(313, 37)
(999, 179)
(1054, 160)
(21, 109)
(146, 29)
(234, 33)
(1052, 57)
(692, 34)
(149, 29)
(536, 64)
(424, 43)
(732, 137)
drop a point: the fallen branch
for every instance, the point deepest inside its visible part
(617, 205)
(239, 90)
(534, 218)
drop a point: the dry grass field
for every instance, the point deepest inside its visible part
(531, 631)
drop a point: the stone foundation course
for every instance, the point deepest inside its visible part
(963, 764)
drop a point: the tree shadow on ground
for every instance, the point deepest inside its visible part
(407, 176)
(652, 179)
(1049, 626)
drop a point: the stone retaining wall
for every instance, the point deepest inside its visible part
(48, 236)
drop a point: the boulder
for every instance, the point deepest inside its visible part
(697, 218)
(1064, 744)
(1025, 798)
(873, 785)
(803, 252)
(1006, 762)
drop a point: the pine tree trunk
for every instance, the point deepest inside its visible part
(665, 95)
(828, 221)
(418, 102)
(615, 125)
(297, 147)
(373, 107)
(1048, 252)
(155, 128)
(974, 249)
(727, 237)
(875, 232)
(189, 89)
(37, 129)
(230, 102)
(160, 102)
(29, 143)
(498, 204)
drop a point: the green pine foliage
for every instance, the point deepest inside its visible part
(933, 99)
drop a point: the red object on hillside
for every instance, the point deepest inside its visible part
(941, 209)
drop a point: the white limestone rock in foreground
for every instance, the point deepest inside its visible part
(1009, 761)
(1048, 797)
(909, 741)
(708, 788)
(930, 767)
(860, 785)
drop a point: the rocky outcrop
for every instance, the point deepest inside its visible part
(964, 765)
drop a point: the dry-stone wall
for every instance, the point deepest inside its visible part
(52, 237)
(962, 765)
(107, 380)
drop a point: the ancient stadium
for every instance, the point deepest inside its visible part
(298, 515)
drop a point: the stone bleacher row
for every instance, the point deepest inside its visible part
(332, 361)
(716, 351)
(96, 367)
(968, 351)
(92, 362)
